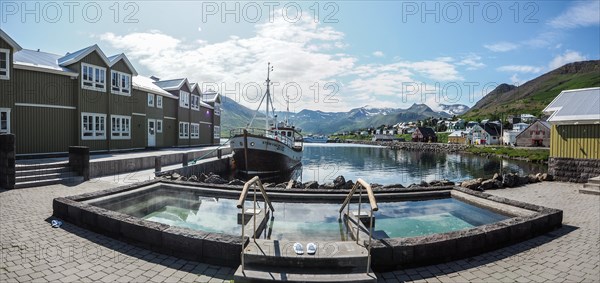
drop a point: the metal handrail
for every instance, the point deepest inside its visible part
(255, 182)
(360, 184)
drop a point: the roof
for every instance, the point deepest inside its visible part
(457, 134)
(211, 96)
(575, 106)
(10, 41)
(147, 84)
(40, 61)
(426, 132)
(492, 129)
(116, 58)
(174, 84)
(71, 58)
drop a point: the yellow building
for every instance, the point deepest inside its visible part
(575, 135)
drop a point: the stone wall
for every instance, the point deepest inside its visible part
(7, 161)
(419, 146)
(573, 169)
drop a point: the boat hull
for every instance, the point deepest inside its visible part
(266, 156)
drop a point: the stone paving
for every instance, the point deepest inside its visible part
(33, 251)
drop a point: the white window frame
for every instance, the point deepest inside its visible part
(150, 100)
(184, 130)
(7, 129)
(217, 109)
(97, 71)
(7, 69)
(184, 99)
(123, 81)
(98, 123)
(159, 126)
(195, 131)
(120, 127)
(195, 103)
(159, 101)
(217, 132)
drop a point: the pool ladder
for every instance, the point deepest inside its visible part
(360, 185)
(255, 183)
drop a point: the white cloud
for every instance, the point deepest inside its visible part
(520, 69)
(472, 61)
(378, 54)
(568, 57)
(580, 14)
(501, 46)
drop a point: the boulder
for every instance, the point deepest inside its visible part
(348, 186)
(393, 186)
(423, 184)
(547, 177)
(202, 178)
(215, 179)
(488, 184)
(339, 181)
(193, 178)
(510, 180)
(471, 184)
(497, 177)
(523, 180)
(281, 185)
(175, 176)
(327, 186)
(236, 182)
(311, 185)
(532, 178)
(182, 178)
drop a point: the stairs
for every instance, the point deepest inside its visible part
(592, 187)
(36, 175)
(268, 260)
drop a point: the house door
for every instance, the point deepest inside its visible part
(151, 133)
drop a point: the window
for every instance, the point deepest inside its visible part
(120, 127)
(159, 101)
(159, 126)
(120, 83)
(93, 77)
(195, 131)
(195, 102)
(184, 99)
(4, 120)
(217, 133)
(93, 126)
(4, 64)
(184, 129)
(150, 99)
(217, 109)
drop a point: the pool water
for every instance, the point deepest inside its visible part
(419, 218)
(308, 221)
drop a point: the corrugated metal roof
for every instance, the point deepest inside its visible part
(71, 58)
(116, 58)
(575, 106)
(147, 84)
(39, 59)
(170, 84)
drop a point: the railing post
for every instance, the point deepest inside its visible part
(243, 226)
(370, 239)
(358, 216)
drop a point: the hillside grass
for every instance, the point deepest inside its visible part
(532, 155)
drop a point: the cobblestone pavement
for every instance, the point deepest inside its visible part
(33, 251)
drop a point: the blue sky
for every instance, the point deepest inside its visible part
(349, 54)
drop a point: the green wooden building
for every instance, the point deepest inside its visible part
(51, 102)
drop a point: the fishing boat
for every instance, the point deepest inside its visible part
(315, 139)
(274, 149)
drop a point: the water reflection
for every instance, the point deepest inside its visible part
(323, 163)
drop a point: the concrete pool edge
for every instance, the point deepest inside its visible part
(395, 253)
(223, 249)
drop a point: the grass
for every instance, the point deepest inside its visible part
(532, 155)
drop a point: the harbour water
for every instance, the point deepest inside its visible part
(375, 164)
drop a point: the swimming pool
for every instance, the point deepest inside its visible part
(303, 221)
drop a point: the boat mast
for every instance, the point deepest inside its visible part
(268, 95)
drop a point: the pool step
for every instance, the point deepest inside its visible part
(288, 274)
(592, 187)
(329, 254)
(268, 260)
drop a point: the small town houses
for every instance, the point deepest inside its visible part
(51, 101)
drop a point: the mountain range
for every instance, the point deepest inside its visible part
(533, 96)
(321, 122)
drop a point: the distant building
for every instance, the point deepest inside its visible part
(537, 134)
(528, 118)
(575, 134)
(520, 126)
(469, 126)
(458, 137)
(424, 134)
(509, 137)
(487, 133)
